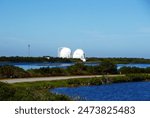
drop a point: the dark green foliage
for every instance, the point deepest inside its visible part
(9, 92)
(131, 78)
(30, 94)
(74, 82)
(119, 79)
(107, 67)
(104, 68)
(131, 70)
(6, 91)
(48, 72)
(119, 60)
(56, 59)
(40, 90)
(84, 82)
(78, 69)
(77, 82)
(95, 81)
(138, 77)
(8, 71)
(33, 59)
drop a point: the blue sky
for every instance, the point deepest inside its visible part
(102, 28)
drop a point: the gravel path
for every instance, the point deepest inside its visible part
(19, 80)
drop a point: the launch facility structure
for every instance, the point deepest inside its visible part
(64, 52)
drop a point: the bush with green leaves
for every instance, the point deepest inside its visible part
(78, 69)
(107, 67)
(6, 91)
(9, 92)
(9, 71)
(133, 70)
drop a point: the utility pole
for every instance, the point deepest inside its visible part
(29, 46)
(29, 50)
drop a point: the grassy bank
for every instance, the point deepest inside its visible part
(40, 90)
(8, 71)
(106, 67)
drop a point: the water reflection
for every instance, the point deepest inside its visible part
(136, 91)
(27, 66)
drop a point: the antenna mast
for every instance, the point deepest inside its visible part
(29, 50)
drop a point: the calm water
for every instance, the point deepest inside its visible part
(27, 66)
(133, 65)
(133, 91)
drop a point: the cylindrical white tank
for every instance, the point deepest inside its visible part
(64, 52)
(79, 54)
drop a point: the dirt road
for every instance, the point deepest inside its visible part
(19, 80)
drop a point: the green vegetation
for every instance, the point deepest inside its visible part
(106, 67)
(77, 69)
(40, 90)
(47, 72)
(120, 60)
(15, 93)
(131, 78)
(33, 59)
(37, 59)
(56, 59)
(8, 71)
(132, 70)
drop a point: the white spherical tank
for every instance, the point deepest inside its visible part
(64, 52)
(79, 54)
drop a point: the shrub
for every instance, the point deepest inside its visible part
(129, 70)
(138, 77)
(77, 69)
(9, 71)
(119, 79)
(12, 93)
(74, 82)
(6, 91)
(107, 67)
(95, 81)
(48, 72)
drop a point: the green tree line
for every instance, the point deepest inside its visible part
(89, 59)
(120, 60)
(8, 71)
(104, 68)
(33, 59)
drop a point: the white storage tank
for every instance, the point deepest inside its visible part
(79, 54)
(64, 52)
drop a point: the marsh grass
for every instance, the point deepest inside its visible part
(40, 91)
